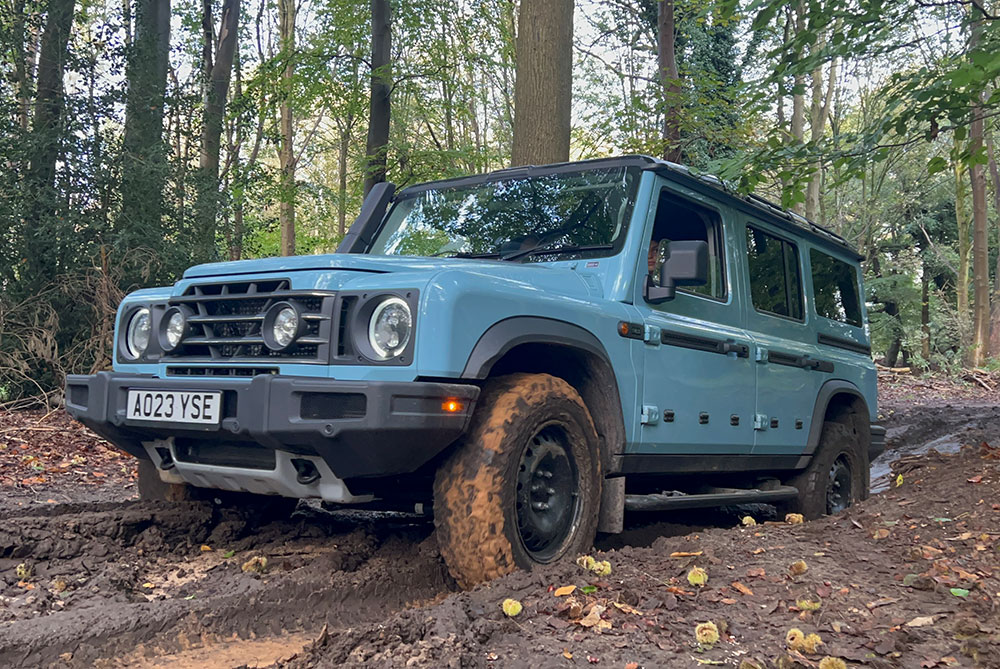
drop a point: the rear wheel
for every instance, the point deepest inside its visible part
(837, 475)
(524, 486)
(261, 507)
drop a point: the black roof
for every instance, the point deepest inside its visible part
(712, 185)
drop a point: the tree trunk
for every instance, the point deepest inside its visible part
(892, 353)
(670, 80)
(345, 145)
(995, 312)
(144, 152)
(286, 153)
(818, 113)
(964, 251)
(20, 57)
(379, 110)
(543, 84)
(41, 236)
(925, 313)
(218, 73)
(980, 246)
(798, 120)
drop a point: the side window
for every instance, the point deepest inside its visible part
(835, 286)
(775, 277)
(680, 220)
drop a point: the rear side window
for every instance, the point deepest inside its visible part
(775, 277)
(835, 284)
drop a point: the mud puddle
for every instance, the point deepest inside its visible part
(913, 431)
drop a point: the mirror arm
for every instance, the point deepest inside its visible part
(658, 294)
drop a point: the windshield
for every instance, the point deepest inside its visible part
(539, 218)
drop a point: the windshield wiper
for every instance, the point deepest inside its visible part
(461, 254)
(551, 248)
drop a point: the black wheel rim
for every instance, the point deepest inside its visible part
(547, 501)
(838, 492)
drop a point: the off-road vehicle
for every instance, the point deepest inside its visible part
(525, 354)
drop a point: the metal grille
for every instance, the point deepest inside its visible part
(226, 325)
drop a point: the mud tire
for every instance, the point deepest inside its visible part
(263, 508)
(837, 442)
(475, 489)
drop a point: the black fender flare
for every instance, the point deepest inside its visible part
(509, 333)
(823, 397)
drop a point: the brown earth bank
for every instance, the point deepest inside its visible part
(911, 578)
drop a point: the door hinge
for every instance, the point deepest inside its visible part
(760, 421)
(650, 414)
(652, 335)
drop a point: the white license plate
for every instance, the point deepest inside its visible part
(175, 406)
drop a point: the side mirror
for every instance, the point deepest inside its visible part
(686, 264)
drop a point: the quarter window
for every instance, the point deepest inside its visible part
(775, 277)
(835, 285)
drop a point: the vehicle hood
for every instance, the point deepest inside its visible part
(350, 270)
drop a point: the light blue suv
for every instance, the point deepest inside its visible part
(526, 354)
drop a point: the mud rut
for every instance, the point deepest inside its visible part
(90, 602)
(130, 584)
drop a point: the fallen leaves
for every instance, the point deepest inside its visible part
(593, 619)
(684, 554)
(794, 518)
(921, 621)
(565, 591)
(736, 585)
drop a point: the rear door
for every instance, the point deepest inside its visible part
(788, 368)
(698, 382)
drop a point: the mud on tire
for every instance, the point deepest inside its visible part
(524, 485)
(837, 475)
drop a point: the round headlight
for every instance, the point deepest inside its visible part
(285, 326)
(389, 328)
(137, 333)
(173, 332)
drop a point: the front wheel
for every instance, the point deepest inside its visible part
(524, 485)
(837, 475)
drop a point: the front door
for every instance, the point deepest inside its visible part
(699, 386)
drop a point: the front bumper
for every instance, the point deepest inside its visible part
(358, 428)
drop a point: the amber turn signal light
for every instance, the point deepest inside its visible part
(452, 406)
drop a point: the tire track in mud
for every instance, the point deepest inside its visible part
(87, 600)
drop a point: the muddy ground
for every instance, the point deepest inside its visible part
(910, 578)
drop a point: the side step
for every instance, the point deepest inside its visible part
(713, 497)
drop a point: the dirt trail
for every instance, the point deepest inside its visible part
(129, 584)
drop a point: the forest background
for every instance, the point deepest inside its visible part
(138, 137)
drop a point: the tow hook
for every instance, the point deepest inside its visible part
(306, 471)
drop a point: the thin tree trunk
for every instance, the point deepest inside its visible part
(218, 73)
(995, 311)
(543, 84)
(21, 79)
(818, 113)
(286, 153)
(925, 313)
(670, 80)
(980, 247)
(345, 145)
(964, 251)
(798, 120)
(381, 83)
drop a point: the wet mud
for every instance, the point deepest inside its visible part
(135, 584)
